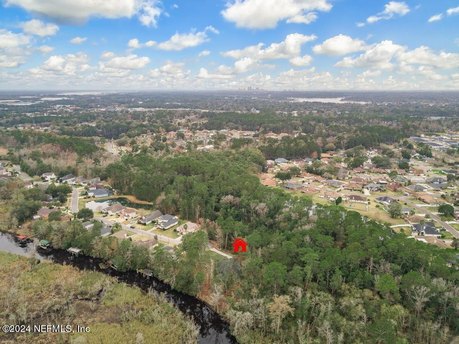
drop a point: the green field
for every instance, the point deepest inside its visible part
(46, 293)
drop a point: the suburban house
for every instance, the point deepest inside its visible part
(188, 227)
(167, 221)
(385, 200)
(114, 209)
(129, 213)
(105, 231)
(417, 188)
(281, 161)
(407, 211)
(438, 183)
(97, 206)
(373, 187)
(146, 220)
(49, 176)
(293, 186)
(43, 213)
(98, 193)
(426, 229)
(68, 179)
(357, 199)
(88, 225)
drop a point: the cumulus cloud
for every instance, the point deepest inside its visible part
(38, 28)
(266, 14)
(301, 61)
(45, 49)
(78, 40)
(427, 57)
(339, 45)
(147, 11)
(391, 9)
(70, 64)
(289, 48)
(377, 56)
(134, 43)
(13, 48)
(204, 74)
(170, 69)
(204, 53)
(129, 62)
(181, 41)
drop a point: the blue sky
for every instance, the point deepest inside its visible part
(229, 44)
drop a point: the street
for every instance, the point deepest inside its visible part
(74, 201)
(433, 216)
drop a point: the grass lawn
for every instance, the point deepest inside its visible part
(446, 235)
(47, 293)
(216, 257)
(171, 233)
(455, 225)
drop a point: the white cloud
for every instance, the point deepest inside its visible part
(287, 49)
(391, 9)
(266, 14)
(377, 56)
(38, 28)
(78, 40)
(339, 45)
(181, 41)
(134, 43)
(70, 64)
(204, 74)
(148, 11)
(307, 18)
(301, 61)
(204, 53)
(171, 69)
(129, 62)
(425, 56)
(9, 39)
(13, 48)
(452, 11)
(45, 49)
(436, 17)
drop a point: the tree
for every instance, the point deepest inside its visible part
(85, 214)
(274, 276)
(339, 200)
(278, 309)
(395, 210)
(55, 216)
(381, 161)
(386, 285)
(455, 243)
(446, 210)
(283, 176)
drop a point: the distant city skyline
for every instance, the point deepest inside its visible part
(229, 45)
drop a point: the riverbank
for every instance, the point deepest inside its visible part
(211, 327)
(45, 293)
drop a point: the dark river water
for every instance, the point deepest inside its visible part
(212, 328)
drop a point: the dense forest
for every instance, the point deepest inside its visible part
(312, 274)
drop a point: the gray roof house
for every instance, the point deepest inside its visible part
(426, 229)
(98, 193)
(280, 161)
(385, 200)
(167, 221)
(146, 220)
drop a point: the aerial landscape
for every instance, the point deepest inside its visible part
(238, 171)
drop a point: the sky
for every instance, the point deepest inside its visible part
(229, 45)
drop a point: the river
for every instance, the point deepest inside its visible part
(212, 328)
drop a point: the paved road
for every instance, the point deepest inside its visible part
(162, 238)
(74, 201)
(423, 210)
